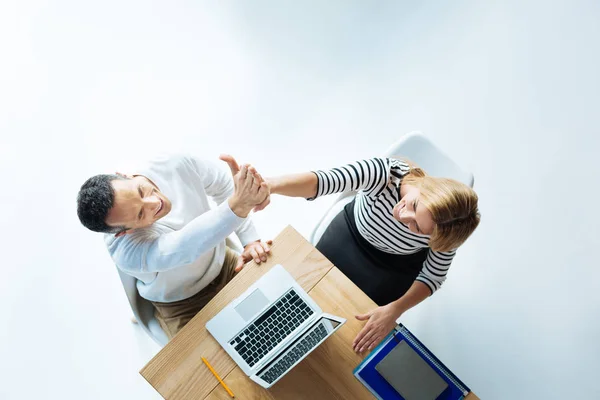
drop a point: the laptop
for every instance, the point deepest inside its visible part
(271, 327)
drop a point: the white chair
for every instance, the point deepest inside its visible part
(143, 310)
(418, 149)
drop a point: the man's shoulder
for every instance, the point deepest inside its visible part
(164, 168)
(179, 162)
(172, 160)
(119, 246)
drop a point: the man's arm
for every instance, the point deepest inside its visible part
(256, 249)
(182, 247)
(220, 185)
(174, 249)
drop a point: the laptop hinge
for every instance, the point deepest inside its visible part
(261, 366)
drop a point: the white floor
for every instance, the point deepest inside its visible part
(509, 88)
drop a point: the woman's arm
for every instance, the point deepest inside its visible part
(382, 320)
(370, 176)
(413, 296)
(294, 185)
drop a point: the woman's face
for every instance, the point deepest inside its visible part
(412, 214)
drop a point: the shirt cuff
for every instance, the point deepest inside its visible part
(247, 233)
(318, 186)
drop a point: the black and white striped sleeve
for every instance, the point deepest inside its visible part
(435, 269)
(370, 176)
(398, 168)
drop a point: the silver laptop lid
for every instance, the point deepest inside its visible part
(259, 306)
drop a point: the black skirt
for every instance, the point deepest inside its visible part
(384, 277)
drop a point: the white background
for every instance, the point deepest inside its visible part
(510, 89)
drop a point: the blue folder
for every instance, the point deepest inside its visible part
(382, 390)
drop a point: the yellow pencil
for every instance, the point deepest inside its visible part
(218, 377)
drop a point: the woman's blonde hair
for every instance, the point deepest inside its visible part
(452, 204)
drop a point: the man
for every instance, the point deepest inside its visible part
(159, 228)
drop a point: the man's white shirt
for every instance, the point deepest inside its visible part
(183, 252)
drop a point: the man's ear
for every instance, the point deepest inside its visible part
(122, 175)
(123, 232)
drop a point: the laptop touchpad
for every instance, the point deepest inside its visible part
(255, 302)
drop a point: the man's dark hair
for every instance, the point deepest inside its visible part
(94, 201)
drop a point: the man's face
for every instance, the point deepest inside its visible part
(138, 203)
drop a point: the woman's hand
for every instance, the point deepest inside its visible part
(383, 319)
(380, 323)
(267, 201)
(250, 189)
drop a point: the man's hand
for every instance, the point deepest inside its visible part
(380, 323)
(255, 250)
(250, 188)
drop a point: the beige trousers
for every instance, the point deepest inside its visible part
(173, 316)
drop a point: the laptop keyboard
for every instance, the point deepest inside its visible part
(307, 343)
(271, 328)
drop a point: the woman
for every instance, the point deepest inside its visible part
(396, 239)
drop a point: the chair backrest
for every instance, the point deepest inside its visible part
(419, 149)
(143, 310)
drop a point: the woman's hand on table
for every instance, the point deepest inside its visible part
(380, 323)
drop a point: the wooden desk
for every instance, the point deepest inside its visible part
(177, 371)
